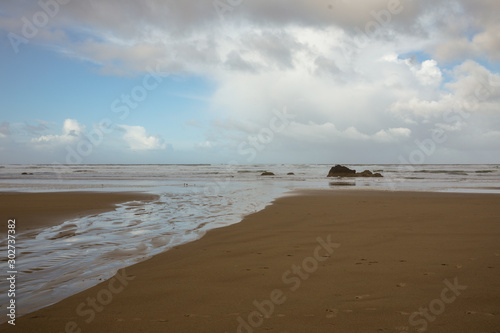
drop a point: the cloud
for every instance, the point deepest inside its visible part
(469, 29)
(138, 139)
(365, 73)
(4, 130)
(473, 89)
(72, 130)
(191, 37)
(40, 127)
(429, 73)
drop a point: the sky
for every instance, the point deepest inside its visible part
(249, 82)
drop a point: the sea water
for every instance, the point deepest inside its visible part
(59, 261)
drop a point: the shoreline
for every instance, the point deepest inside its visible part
(34, 210)
(396, 249)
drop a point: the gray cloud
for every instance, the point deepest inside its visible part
(338, 65)
(4, 129)
(185, 35)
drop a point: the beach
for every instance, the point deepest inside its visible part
(314, 261)
(32, 210)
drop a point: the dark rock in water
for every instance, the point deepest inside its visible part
(366, 173)
(342, 171)
(267, 173)
(27, 174)
(290, 174)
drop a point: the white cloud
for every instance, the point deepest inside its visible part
(343, 86)
(138, 139)
(204, 145)
(392, 134)
(429, 73)
(72, 130)
(474, 89)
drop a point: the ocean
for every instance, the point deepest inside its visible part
(60, 261)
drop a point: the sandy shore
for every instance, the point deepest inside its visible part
(35, 210)
(324, 261)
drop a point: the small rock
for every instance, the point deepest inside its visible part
(267, 173)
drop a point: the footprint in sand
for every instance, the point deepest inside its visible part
(331, 313)
(361, 297)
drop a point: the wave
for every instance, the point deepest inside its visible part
(448, 172)
(251, 171)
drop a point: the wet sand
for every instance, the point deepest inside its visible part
(321, 261)
(35, 210)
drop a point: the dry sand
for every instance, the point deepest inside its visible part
(324, 261)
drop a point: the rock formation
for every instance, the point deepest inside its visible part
(342, 171)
